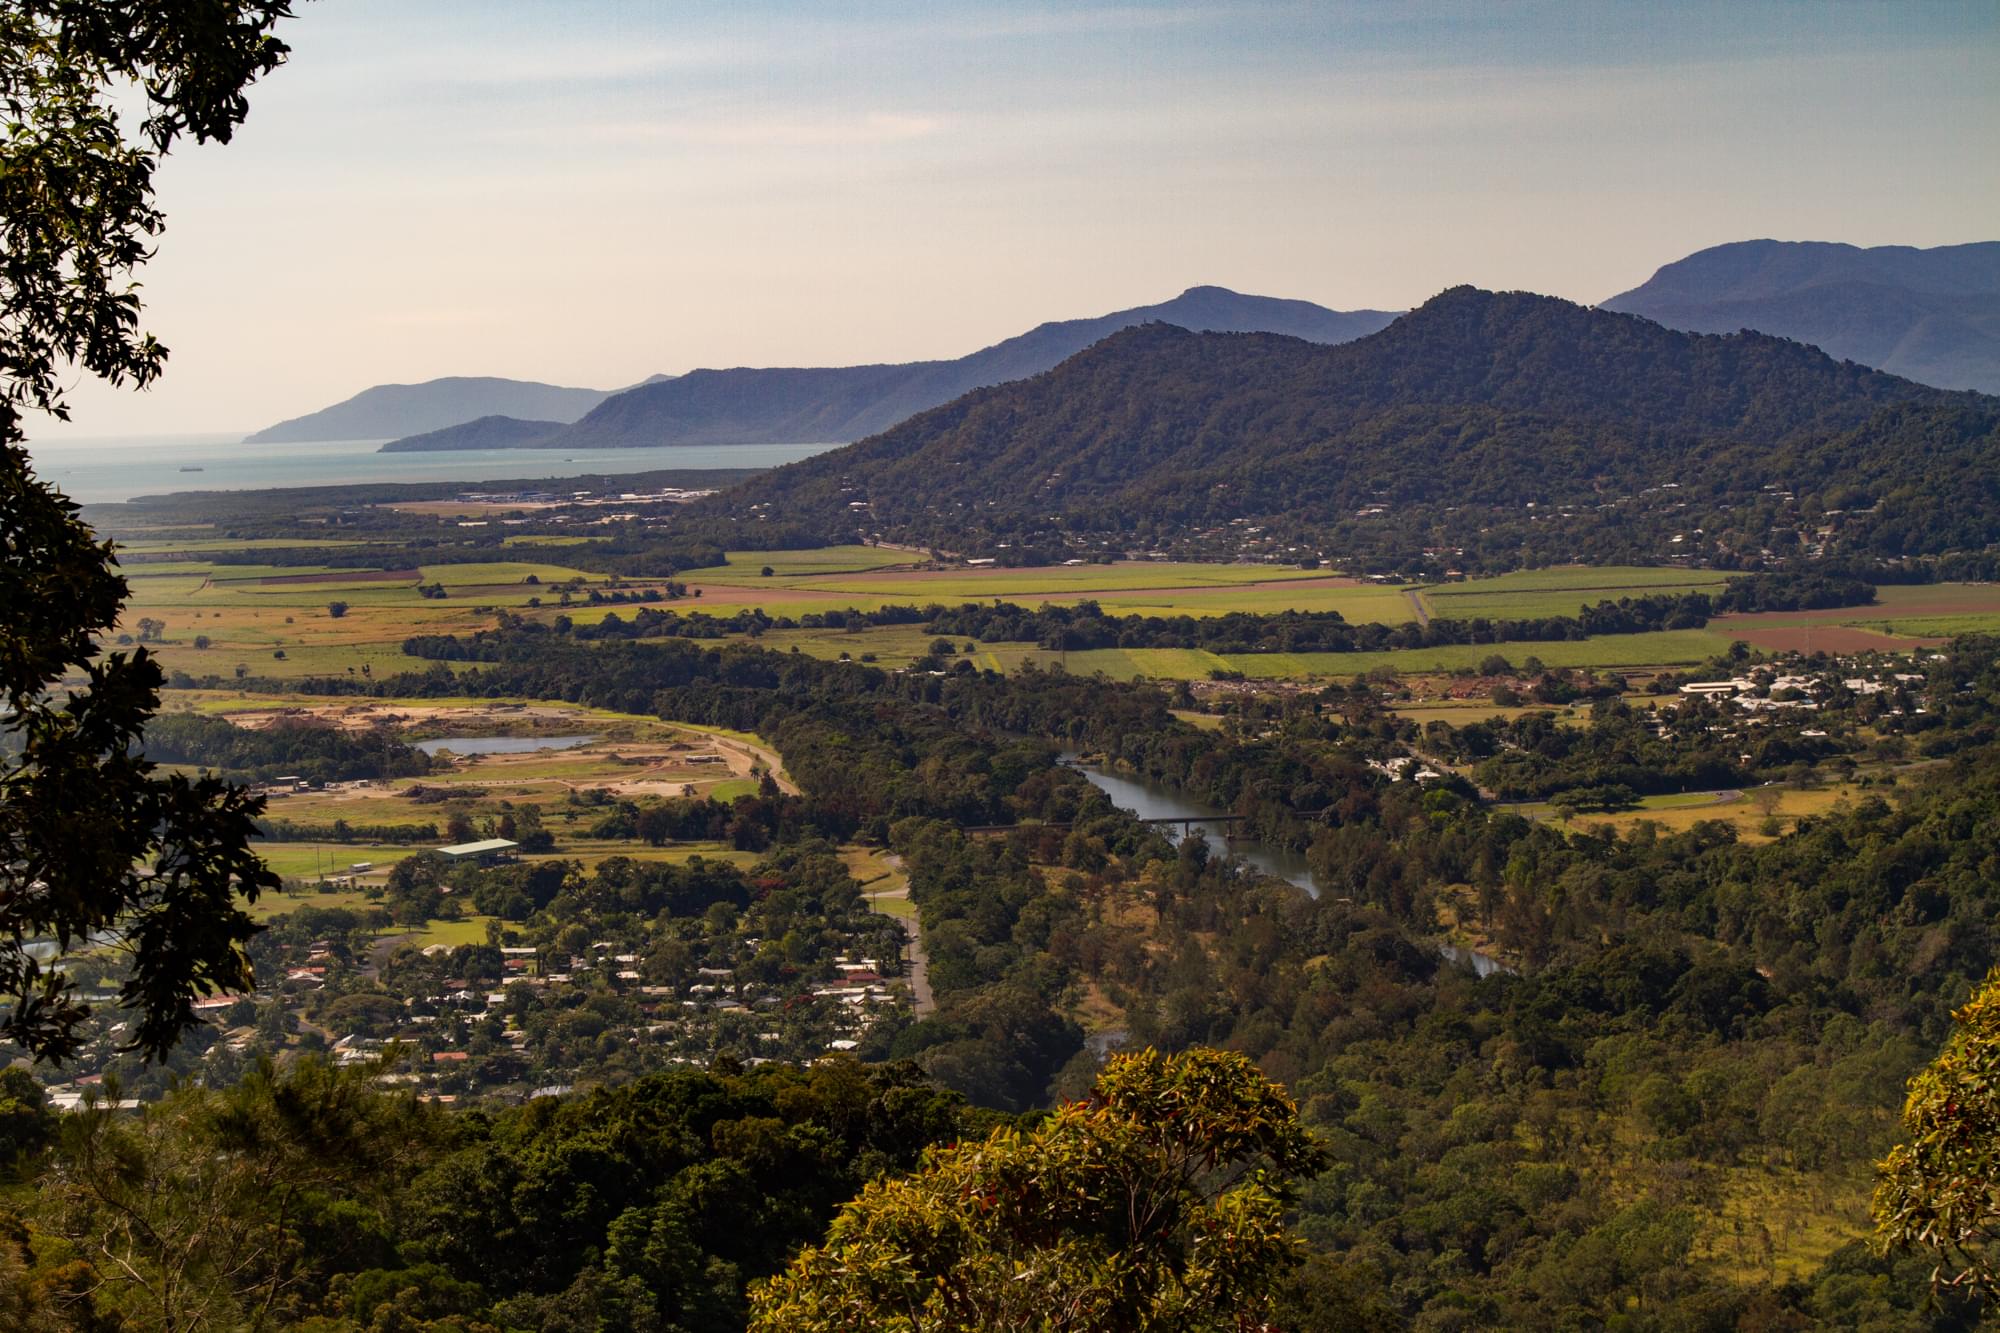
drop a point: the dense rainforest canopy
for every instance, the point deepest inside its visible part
(1500, 426)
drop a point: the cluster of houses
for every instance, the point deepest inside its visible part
(1405, 768)
(1764, 692)
(681, 1019)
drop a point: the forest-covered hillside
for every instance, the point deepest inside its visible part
(1933, 315)
(786, 405)
(1504, 422)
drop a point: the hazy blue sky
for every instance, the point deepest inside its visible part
(591, 191)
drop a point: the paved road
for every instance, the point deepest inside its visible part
(920, 964)
(1417, 605)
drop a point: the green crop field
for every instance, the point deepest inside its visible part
(504, 572)
(1533, 594)
(1610, 579)
(1666, 648)
(749, 565)
(1057, 581)
(1934, 627)
(1356, 605)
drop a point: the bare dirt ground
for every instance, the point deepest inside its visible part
(363, 716)
(664, 766)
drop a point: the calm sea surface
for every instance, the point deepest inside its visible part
(105, 470)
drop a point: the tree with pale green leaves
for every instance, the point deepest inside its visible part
(1939, 1192)
(1157, 1205)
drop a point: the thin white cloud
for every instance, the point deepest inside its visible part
(833, 131)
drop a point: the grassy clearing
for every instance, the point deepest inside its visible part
(1776, 1224)
(307, 860)
(1205, 721)
(465, 930)
(1059, 581)
(273, 905)
(1665, 648)
(881, 879)
(1624, 580)
(1533, 594)
(899, 646)
(1935, 627)
(749, 565)
(504, 572)
(1682, 811)
(1376, 605)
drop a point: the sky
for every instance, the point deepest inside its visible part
(588, 192)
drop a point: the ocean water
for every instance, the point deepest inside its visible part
(102, 471)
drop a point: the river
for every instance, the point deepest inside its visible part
(1157, 800)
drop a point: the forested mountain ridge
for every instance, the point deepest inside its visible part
(1488, 420)
(748, 405)
(1933, 315)
(387, 411)
(487, 432)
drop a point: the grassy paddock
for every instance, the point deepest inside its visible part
(749, 565)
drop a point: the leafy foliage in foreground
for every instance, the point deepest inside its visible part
(1157, 1205)
(1940, 1190)
(80, 818)
(309, 1199)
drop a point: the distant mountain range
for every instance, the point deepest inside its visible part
(390, 411)
(1931, 315)
(806, 406)
(1476, 421)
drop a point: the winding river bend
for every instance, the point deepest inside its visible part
(1155, 800)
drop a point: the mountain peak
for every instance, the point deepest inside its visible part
(1452, 416)
(1930, 314)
